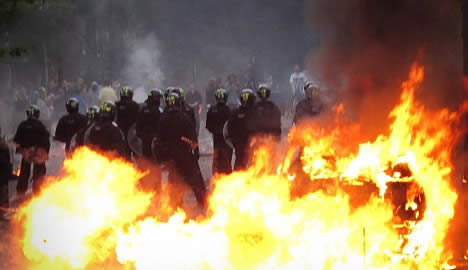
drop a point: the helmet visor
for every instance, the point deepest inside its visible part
(125, 91)
(171, 100)
(220, 95)
(245, 97)
(91, 114)
(106, 108)
(30, 111)
(73, 104)
(263, 92)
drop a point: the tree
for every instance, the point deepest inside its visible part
(9, 9)
(40, 31)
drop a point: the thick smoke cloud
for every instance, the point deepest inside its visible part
(143, 64)
(367, 48)
(186, 41)
(220, 37)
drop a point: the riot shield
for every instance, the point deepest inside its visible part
(134, 142)
(226, 135)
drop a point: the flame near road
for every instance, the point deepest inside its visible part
(95, 217)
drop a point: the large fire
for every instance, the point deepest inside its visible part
(95, 217)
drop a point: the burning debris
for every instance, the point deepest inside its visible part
(385, 204)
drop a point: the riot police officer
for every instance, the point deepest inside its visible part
(70, 124)
(177, 142)
(189, 111)
(216, 117)
(267, 116)
(32, 139)
(168, 90)
(92, 114)
(239, 128)
(311, 106)
(105, 135)
(127, 110)
(148, 121)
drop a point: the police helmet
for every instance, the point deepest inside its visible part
(33, 112)
(155, 95)
(168, 91)
(221, 95)
(247, 97)
(107, 111)
(179, 91)
(263, 91)
(126, 93)
(172, 100)
(72, 105)
(92, 113)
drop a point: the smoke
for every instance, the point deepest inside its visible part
(367, 48)
(216, 38)
(162, 43)
(143, 63)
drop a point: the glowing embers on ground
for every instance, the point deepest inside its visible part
(95, 217)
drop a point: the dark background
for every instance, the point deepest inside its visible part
(98, 39)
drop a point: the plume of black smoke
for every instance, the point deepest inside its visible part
(368, 46)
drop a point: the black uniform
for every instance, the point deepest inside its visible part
(176, 142)
(79, 137)
(305, 110)
(5, 175)
(216, 117)
(190, 112)
(267, 119)
(106, 135)
(68, 126)
(31, 133)
(240, 129)
(127, 113)
(147, 126)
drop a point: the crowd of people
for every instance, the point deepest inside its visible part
(50, 99)
(162, 131)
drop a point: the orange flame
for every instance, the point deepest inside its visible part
(17, 171)
(63, 226)
(91, 217)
